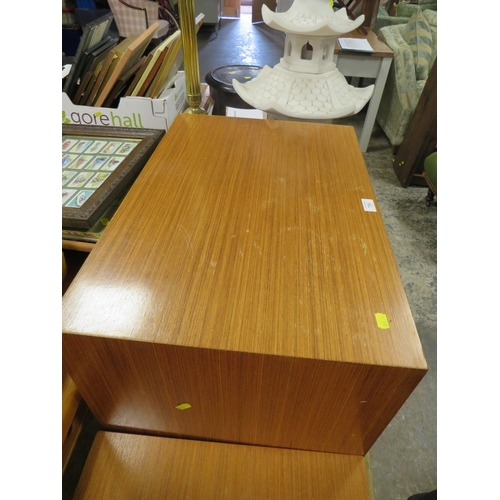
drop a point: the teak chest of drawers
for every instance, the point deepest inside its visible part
(243, 279)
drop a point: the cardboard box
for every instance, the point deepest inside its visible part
(134, 112)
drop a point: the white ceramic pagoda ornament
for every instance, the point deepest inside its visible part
(306, 84)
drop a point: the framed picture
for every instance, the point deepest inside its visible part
(98, 165)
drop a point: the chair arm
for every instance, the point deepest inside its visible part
(403, 64)
(383, 21)
(405, 9)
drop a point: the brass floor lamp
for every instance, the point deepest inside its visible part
(190, 50)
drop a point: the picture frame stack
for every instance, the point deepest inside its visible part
(106, 69)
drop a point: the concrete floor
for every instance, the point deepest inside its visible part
(238, 42)
(404, 459)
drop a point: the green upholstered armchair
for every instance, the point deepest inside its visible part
(406, 78)
(404, 10)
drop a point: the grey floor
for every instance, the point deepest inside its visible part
(238, 42)
(403, 460)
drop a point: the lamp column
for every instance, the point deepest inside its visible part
(190, 51)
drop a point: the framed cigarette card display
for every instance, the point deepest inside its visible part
(98, 165)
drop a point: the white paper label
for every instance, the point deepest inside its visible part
(368, 205)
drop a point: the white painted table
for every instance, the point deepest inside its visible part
(366, 65)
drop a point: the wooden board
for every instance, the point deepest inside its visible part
(130, 55)
(121, 84)
(73, 413)
(70, 400)
(100, 73)
(143, 468)
(140, 74)
(152, 59)
(151, 74)
(420, 139)
(242, 275)
(370, 10)
(166, 71)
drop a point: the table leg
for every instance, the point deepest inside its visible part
(374, 104)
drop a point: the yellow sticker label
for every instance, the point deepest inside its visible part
(231, 72)
(382, 321)
(247, 77)
(183, 406)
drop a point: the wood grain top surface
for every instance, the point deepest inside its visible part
(125, 466)
(249, 235)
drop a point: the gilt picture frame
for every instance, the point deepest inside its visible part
(98, 165)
